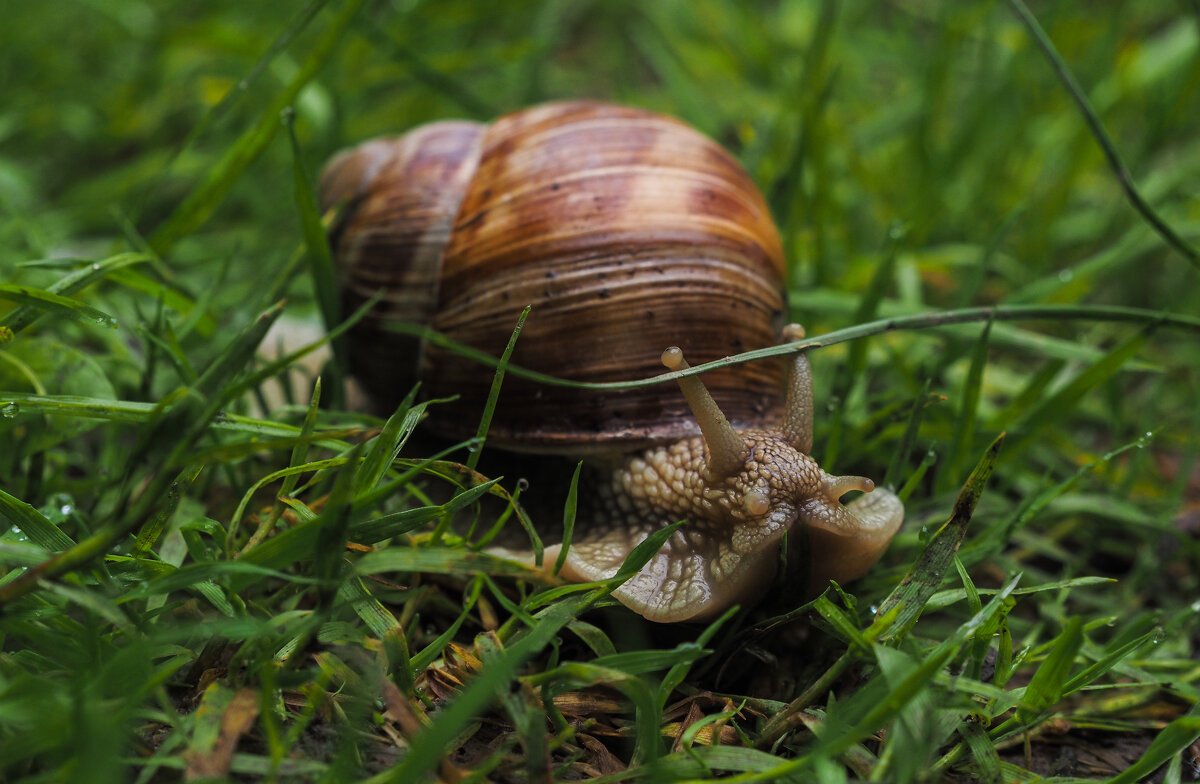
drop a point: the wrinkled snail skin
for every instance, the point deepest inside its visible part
(628, 232)
(727, 551)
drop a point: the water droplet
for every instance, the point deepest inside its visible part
(66, 509)
(95, 268)
(106, 321)
(1066, 276)
(9, 410)
(523, 485)
(873, 609)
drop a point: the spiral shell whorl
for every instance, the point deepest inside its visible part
(626, 230)
(402, 195)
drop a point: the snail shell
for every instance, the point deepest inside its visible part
(627, 232)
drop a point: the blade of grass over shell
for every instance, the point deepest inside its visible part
(489, 407)
(320, 258)
(926, 575)
(1101, 135)
(569, 508)
(386, 446)
(199, 205)
(997, 313)
(47, 301)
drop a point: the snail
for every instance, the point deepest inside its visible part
(628, 232)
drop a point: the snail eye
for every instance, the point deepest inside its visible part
(757, 501)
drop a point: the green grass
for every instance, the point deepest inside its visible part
(981, 245)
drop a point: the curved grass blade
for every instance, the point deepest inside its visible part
(947, 318)
(33, 524)
(1101, 135)
(49, 302)
(68, 284)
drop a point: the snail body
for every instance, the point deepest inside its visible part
(627, 232)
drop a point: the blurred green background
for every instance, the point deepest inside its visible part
(849, 115)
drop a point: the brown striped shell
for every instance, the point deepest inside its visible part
(627, 232)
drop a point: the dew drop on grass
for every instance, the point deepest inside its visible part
(1066, 276)
(9, 410)
(66, 509)
(106, 321)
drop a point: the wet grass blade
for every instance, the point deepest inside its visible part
(1050, 680)
(68, 284)
(32, 523)
(49, 302)
(926, 575)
